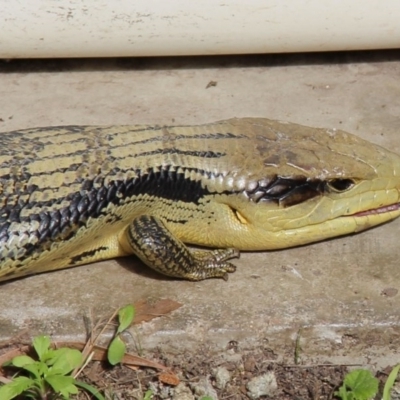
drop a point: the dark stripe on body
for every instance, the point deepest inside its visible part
(92, 200)
(80, 257)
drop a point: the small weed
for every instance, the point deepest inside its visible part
(49, 377)
(53, 374)
(117, 347)
(360, 384)
(148, 395)
(390, 382)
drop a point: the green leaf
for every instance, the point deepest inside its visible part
(17, 386)
(53, 355)
(41, 345)
(62, 384)
(37, 369)
(125, 317)
(71, 389)
(116, 351)
(67, 361)
(21, 361)
(390, 382)
(92, 390)
(344, 394)
(42, 367)
(362, 383)
(7, 393)
(149, 394)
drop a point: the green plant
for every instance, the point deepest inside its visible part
(148, 395)
(359, 384)
(297, 347)
(117, 347)
(390, 382)
(47, 378)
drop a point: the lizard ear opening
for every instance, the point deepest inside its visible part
(239, 216)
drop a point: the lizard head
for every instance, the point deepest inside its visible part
(287, 185)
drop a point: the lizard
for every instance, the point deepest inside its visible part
(72, 195)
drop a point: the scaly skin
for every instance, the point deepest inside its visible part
(74, 195)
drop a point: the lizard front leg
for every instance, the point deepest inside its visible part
(149, 239)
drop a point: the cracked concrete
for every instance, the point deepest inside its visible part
(340, 296)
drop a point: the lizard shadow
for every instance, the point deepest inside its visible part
(135, 266)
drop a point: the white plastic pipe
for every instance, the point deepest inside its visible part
(105, 28)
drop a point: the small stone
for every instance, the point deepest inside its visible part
(182, 392)
(222, 377)
(389, 292)
(162, 392)
(263, 385)
(204, 388)
(250, 364)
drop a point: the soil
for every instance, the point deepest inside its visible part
(235, 374)
(199, 376)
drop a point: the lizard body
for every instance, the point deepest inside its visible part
(73, 195)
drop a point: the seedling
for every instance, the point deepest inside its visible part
(117, 347)
(148, 395)
(49, 377)
(359, 384)
(390, 382)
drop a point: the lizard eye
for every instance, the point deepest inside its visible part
(340, 185)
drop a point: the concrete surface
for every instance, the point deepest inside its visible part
(341, 296)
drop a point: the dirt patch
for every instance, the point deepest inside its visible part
(236, 376)
(233, 375)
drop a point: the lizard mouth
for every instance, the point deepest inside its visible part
(379, 210)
